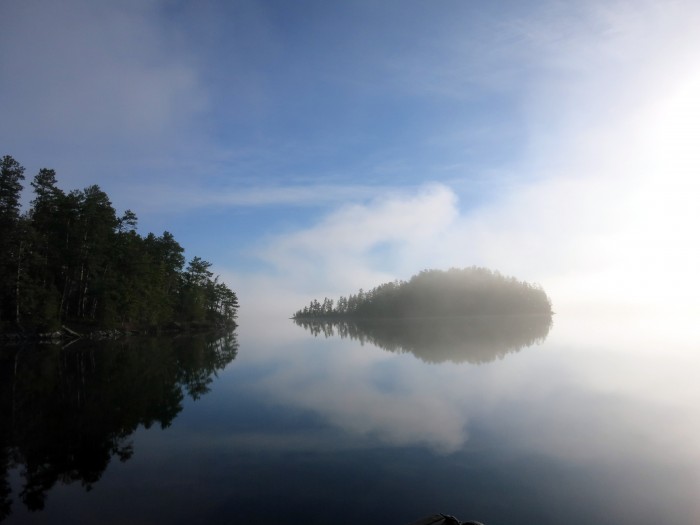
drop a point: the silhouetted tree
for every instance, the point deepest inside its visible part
(12, 245)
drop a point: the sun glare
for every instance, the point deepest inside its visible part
(661, 213)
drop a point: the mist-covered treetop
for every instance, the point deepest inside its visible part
(437, 293)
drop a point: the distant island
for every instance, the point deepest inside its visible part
(71, 263)
(436, 293)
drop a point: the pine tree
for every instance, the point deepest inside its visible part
(11, 244)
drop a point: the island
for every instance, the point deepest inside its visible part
(71, 264)
(471, 315)
(456, 292)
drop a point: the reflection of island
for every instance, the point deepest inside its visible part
(474, 339)
(64, 412)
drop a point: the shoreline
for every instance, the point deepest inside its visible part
(99, 334)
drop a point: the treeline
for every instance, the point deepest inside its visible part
(71, 259)
(437, 293)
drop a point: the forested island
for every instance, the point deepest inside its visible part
(70, 260)
(436, 293)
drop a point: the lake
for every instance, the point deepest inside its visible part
(593, 419)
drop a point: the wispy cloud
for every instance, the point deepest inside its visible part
(354, 245)
(181, 197)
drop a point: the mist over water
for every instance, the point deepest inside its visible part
(590, 419)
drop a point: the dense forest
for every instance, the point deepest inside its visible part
(437, 293)
(70, 259)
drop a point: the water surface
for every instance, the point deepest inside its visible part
(585, 421)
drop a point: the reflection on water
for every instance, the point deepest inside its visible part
(599, 428)
(474, 339)
(65, 412)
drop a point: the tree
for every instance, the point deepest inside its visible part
(11, 177)
(11, 244)
(195, 280)
(127, 222)
(50, 229)
(167, 261)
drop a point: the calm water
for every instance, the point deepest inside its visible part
(504, 421)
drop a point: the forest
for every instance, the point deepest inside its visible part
(436, 293)
(70, 259)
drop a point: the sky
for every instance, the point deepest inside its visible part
(311, 148)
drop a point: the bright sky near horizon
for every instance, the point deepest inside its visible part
(311, 148)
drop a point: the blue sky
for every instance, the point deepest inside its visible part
(311, 147)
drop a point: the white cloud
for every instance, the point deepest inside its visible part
(353, 246)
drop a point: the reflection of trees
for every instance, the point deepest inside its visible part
(474, 339)
(65, 412)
